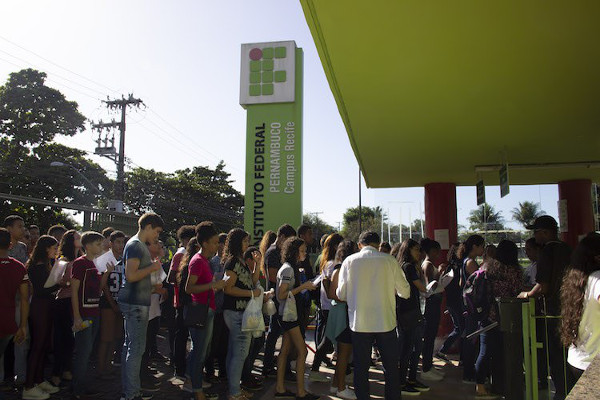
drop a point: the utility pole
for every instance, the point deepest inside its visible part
(110, 151)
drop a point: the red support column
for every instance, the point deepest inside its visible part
(440, 211)
(440, 214)
(579, 214)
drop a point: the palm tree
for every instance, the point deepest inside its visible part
(485, 218)
(527, 212)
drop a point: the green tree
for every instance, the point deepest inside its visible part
(319, 226)
(485, 217)
(527, 212)
(31, 116)
(186, 196)
(371, 220)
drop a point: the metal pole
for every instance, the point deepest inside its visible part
(422, 222)
(120, 189)
(359, 202)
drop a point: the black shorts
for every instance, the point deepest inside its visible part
(345, 336)
(287, 325)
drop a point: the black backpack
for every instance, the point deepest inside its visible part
(475, 295)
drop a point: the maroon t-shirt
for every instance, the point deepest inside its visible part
(12, 275)
(89, 293)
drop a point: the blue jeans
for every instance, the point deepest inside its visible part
(200, 340)
(84, 343)
(410, 343)
(458, 320)
(362, 345)
(135, 320)
(490, 360)
(239, 345)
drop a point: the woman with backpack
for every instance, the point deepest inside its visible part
(504, 278)
(580, 299)
(468, 252)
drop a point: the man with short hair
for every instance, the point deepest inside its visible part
(86, 284)
(106, 232)
(57, 231)
(134, 301)
(273, 263)
(16, 227)
(372, 314)
(111, 329)
(553, 261)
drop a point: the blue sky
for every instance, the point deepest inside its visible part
(183, 59)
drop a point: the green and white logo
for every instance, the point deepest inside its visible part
(267, 73)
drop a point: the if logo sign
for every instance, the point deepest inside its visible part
(268, 72)
(263, 75)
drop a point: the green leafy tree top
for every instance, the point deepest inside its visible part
(526, 212)
(32, 113)
(485, 217)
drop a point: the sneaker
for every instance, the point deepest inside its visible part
(35, 393)
(48, 387)
(408, 390)
(271, 372)
(443, 357)
(468, 381)
(420, 386)
(206, 384)
(439, 372)
(144, 396)
(149, 386)
(252, 384)
(431, 376)
(347, 394)
(285, 395)
(159, 357)
(316, 376)
(308, 396)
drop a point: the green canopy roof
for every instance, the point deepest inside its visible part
(429, 90)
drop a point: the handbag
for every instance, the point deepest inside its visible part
(194, 315)
(409, 319)
(290, 313)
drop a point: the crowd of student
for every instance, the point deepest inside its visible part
(74, 294)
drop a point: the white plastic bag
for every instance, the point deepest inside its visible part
(269, 308)
(253, 315)
(290, 314)
(261, 329)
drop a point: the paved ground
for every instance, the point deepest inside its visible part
(451, 388)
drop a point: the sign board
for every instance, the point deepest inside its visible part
(273, 194)
(480, 193)
(442, 236)
(504, 187)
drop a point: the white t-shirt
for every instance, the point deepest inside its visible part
(588, 342)
(155, 300)
(327, 273)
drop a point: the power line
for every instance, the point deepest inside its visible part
(58, 65)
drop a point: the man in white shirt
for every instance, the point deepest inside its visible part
(369, 281)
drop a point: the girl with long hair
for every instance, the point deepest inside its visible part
(239, 289)
(338, 330)
(504, 278)
(69, 249)
(468, 252)
(454, 302)
(40, 318)
(326, 268)
(580, 299)
(288, 282)
(410, 320)
(268, 239)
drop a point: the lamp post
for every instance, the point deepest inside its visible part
(62, 164)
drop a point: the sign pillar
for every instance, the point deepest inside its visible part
(271, 91)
